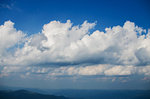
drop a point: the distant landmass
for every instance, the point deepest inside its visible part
(24, 94)
(103, 94)
(74, 94)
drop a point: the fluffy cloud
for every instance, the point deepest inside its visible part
(9, 37)
(62, 44)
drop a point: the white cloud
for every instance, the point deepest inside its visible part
(77, 71)
(92, 70)
(7, 70)
(9, 36)
(60, 44)
(121, 70)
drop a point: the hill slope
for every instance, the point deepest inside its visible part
(23, 94)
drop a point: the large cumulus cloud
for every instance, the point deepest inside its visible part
(63, 44)
(9, 37)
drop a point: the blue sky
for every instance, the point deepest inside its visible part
(106, 12)
(46, 44)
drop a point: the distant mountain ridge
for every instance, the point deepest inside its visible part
(24, 94)
(74, 94)
(101, 94)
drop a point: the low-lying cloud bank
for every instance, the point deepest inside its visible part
(64, 49)
(70, 71)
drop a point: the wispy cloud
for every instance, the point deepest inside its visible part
(8, 4)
